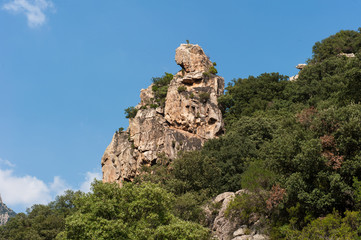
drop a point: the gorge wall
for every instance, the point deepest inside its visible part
(189, 116)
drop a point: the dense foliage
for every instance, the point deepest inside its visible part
(41, 222)
(131, 212)
(294, 147)
(342, 42)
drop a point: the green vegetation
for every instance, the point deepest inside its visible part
(41, 222)
(342, 42)
(182, 88)
(211, 70)
(131, 212)
(130, 112)
(294, 147)
(160, 88)
(204, 97)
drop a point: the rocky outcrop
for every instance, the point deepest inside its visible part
(5, 213)
(349, 55)
(224, 228)
(299, 66)
(188, 118)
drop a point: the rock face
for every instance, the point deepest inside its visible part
(188, 118)
(299, 66)
(224, 228)
(5, 213)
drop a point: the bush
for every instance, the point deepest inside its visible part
(160, 88)
(130, 112)
(342, 42)
(135, 211)
(182, 88)
(203, 97)
(213, 70)
(330, 227)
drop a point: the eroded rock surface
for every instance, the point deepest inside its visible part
(5, 213)
(225, 228)
(188, 118)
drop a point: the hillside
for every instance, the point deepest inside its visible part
(268, 159)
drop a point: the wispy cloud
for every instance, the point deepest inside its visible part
(33, 9)
(21, 192)
(89, 178)
(6, 163)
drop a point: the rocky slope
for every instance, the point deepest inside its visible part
(5, 213)
(225, 228)
(188, 118)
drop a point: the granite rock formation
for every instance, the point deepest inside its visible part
(224, 228)
(189, 117)
(299, 66)
(5, 213)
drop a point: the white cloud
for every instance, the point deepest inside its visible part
(21, 192)
(89, 178)
(6, 163)
(59, 186)
(24, 191)
(33, 9)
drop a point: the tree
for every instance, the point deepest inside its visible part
(141, 211)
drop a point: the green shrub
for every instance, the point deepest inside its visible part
(206, 74)
(330, 227)
(121, 129)
(345, 41)
(213, 70)
(160, 88)
(182, 88)
(130, 112)
(204, 97)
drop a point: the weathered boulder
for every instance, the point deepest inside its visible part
(301, 66)
(188, 118)
(224, 228)
(349, 55)
(192, 58)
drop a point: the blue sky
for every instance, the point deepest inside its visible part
(68, 69)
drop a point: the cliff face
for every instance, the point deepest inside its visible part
(5, 213)
(188, 118)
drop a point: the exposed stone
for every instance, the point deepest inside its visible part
(190, 117)
(301, 66)
(192, 58)
(240, 231)
(244, 237)
(349, 55)
(146, 96)
(5, 213)
(294, 78)
(224, 228)
(260, 237)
